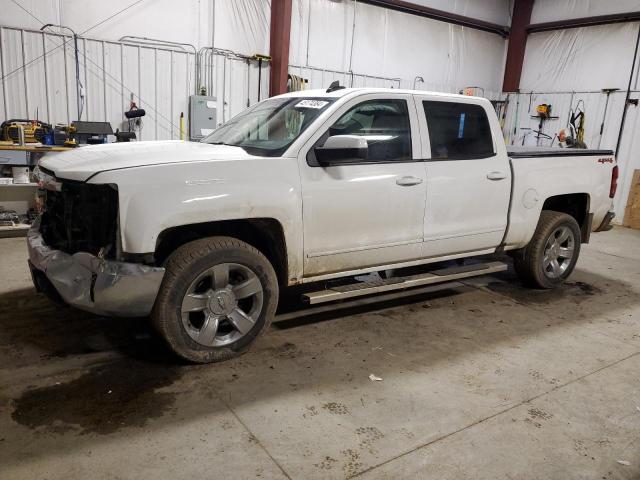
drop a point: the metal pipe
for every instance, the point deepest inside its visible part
(77, 57)
(353, 37)
(122, 79)
(224, 83)
(323, 70)
(584, 22)
(139, 89)
(82, 101)
(249, 83)
(259, 76)
(604, 115)
(626, 100)
(24, 75)
(155, 42)
(171, 124)
(66, 80)
(104, 81)
(4, 83)
(308, 33)
(155, 91)
(46, 79)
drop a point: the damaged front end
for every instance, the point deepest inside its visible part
(73, 254)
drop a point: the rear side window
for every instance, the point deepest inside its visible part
(458, 131)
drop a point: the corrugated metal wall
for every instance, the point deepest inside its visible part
(38, 80)
(112, 74)
(322, 78)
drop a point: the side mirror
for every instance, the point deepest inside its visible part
(339, 148)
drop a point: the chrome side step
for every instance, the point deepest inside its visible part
(400, 283)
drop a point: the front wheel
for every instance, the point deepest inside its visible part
(218, 295)
(552, 253)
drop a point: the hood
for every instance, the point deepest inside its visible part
(83, 162)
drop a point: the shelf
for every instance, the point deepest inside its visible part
(19, 230)
(19, 185)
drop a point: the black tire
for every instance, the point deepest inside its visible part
(529, 262)
(183, 268)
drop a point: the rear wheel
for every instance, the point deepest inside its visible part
(218, 295)
(552, 253)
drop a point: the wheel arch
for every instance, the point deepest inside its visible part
(265, 234)
(577, 205)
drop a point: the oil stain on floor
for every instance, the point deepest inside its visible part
(103, 400)
(573, 291)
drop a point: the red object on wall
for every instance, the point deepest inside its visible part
(517, 44)
(279, 45)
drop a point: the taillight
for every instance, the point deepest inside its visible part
(614, 182)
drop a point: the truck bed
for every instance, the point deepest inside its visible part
(517, 151)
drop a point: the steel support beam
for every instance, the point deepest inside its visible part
(435, 14)
(279, 46)
(584, 22)
(517, 44)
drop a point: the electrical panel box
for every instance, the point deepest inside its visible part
(202, 116)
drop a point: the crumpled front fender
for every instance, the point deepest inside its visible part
(93, 284)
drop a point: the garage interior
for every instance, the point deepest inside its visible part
(475, 378)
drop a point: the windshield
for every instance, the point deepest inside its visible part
(269, 127)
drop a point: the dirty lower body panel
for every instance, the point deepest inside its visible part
(90, 283)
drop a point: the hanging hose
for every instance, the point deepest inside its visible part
(296, 83)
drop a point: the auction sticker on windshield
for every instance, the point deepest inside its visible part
(311, 104)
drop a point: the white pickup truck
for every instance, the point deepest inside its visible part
(305, 188)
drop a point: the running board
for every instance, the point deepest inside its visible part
(400, 283)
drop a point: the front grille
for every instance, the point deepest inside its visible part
(81, 218)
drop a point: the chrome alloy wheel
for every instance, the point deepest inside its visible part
(222, 304)
(558, 252)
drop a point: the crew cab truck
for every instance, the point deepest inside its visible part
(307, 187)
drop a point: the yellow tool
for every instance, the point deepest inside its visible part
(34, 131)
(544, 110)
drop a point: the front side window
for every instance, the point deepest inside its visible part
(458, 131)
(269, 127)
(384, 123)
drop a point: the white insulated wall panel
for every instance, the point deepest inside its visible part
(390, 44)
(554, 10)
(492, 11)
(242, 25)
(580, 59)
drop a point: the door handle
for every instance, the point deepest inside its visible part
(496, 176)
(408, 181)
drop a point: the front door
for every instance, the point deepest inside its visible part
(365, 212)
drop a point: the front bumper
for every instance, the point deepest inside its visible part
(90, 283)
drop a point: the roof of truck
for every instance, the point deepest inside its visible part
(346, 91)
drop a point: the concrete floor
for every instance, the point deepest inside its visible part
(485, 380)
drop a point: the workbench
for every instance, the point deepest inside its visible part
(21, 196)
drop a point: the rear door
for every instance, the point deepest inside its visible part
(364, 212)
(468, 176)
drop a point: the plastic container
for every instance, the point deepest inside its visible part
(20, 174)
